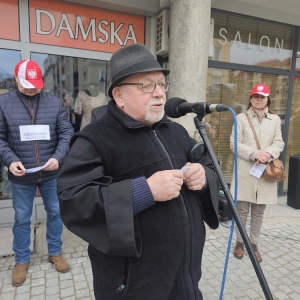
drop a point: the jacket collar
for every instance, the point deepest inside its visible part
(252, 115)
(25, 97)
(129, 122)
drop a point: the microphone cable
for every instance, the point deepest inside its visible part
(235, 201)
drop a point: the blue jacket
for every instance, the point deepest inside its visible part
(15, 110)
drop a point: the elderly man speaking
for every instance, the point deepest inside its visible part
(123, 190)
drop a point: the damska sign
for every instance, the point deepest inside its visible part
(9, 20)
(74, 26)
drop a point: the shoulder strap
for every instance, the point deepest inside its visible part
(254, 133)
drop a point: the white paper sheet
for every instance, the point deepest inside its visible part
(32, 170)
(257, 170)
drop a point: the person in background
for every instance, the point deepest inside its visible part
(123, 190)
(34, 132)
(85, 103)
(78, 115)
(255, 193)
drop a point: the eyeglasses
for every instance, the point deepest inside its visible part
(149, 86)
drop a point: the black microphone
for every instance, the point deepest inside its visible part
(177, 107)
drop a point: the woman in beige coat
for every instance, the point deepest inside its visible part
(256, 192)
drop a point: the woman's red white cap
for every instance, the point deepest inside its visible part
(261, 89)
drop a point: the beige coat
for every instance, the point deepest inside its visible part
(270, 138)
(85, 104)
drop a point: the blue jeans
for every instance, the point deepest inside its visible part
(23, 196)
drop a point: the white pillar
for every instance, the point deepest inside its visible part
(188, 56)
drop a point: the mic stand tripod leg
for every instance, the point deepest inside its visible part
(200, 125)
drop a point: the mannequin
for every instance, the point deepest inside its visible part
(84, 105)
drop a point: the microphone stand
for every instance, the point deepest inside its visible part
(200, 125)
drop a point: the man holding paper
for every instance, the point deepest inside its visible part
(34, 141)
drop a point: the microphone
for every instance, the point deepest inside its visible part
(177, 107)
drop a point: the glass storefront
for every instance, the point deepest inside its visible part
(250, 41)
(233, 90)
(8, 60)
(293, 142)
(248, 51)
(80, 83)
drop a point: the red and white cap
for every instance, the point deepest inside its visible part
(29, 74)
(261, 89)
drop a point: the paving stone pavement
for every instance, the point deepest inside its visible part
(279, 246)
(280, 249)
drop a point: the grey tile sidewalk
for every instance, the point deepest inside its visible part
(279, 246)
(43, 282)
(280, 249)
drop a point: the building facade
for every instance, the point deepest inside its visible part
(216, 51)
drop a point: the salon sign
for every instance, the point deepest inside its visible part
(264, 43)
(75, 26)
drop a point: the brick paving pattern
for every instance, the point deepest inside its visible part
(279, 246)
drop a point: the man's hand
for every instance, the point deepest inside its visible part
(165, 185)
(17, 168)
(51, 165)
(194, 178)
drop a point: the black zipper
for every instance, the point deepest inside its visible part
(36, 149)
(122, 287)
(187, 247)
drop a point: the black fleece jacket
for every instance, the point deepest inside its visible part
(157, 253)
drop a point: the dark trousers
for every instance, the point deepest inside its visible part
(97, 280)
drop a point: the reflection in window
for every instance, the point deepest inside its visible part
(8, 61)
(81, 84)
(251, 41)
(293, 142)
(217, 54)
(234, 90)
(216, 79)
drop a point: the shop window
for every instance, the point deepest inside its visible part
(8, 61)
(293, 142)
(217, 54)
(234, 90)
(216, 79)
(252, 41)
(81, 83)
